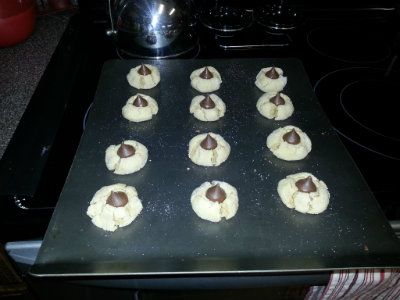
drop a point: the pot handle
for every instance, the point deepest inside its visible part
(111, 31)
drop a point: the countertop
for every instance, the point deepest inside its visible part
(22, 66)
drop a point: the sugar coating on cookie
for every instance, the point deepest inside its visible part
(206, 79)
(140, 108)
(114, 206)
(275, 105)
(304, 192)
(128, 157)
(207, 107)
(143, 76)
(271, 79)
(289, 143)
(208, 149)
(215, 200)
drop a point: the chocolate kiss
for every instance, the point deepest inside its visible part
(209, 143)
(143, 70)
(306, 185)
(125, 150)
(140, 102)
(117, 199)
(207, 102)
(206, 74)
(291, 137)
(272, 73)
(216, 194)
(277, 100)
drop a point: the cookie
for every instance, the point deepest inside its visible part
(304, 192)
(215, 200)
(206, 79)
(207, 108)
(114, 206)
(208, 149)
(275, 106)
(289, 143)
(143, 76)
(126, 158)
(271, 79)
(140, 108)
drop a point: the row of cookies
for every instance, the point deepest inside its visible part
(302, 191)
(207, 149)
(214, 200)
(118, 205)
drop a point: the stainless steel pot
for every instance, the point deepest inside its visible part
(153, 28)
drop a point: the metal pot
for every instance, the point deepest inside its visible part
(153, 28)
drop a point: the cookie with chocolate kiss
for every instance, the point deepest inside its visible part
(304, 192)
(289, 143)
(143, 76)
(114, 206)
(126, 158)
(214, 201)
(271, 79)
(207, 108)
(208, 149)
(206, 79)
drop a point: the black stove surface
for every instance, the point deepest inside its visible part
(350, 60)
(350, 44)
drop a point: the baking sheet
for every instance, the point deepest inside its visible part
(168, 237)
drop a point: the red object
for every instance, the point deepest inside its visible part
(17, 21)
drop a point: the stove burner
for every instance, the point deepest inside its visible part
(278, 17)
(226, 19)
(357, 101)
(370, 103)
(349, 44)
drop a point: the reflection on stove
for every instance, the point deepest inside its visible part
(190, 53)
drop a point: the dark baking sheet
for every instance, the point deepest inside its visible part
(167, 237)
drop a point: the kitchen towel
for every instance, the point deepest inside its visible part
(359, 284)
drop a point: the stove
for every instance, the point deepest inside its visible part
(350, 55)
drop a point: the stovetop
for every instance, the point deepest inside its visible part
(350, 57)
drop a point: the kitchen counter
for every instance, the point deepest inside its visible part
(21, 69)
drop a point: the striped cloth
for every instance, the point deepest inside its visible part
(359, 284)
